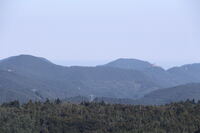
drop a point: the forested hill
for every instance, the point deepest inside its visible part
(27, 77)
(174, 94)
(57, 117)
(38, 79)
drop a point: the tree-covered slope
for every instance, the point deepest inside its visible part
(174, 94)
(17, 87)
(186, 73)
(166, 78)
(99, 118)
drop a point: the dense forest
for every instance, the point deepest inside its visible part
(58, 117)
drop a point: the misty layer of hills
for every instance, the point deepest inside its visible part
(129, 81)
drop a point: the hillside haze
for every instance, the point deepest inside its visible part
(26, 77)
(51, 81)
(175, 94)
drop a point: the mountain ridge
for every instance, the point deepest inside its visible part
(52, 81)
(73, 81)
(127, 63)
(174, 94)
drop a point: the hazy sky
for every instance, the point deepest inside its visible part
(91, 32)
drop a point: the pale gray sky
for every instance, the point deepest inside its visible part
(92, 32)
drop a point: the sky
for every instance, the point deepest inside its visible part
(93, 32)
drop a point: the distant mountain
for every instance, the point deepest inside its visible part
(158, 97)
(52, 81)
(159, 75)
(165, 78)
(174, 94)
(28, 65)
(28, 77)
(133, 64)
(16, 87)
(176, 76)
(186, 73)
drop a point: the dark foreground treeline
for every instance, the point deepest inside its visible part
(57, 117)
